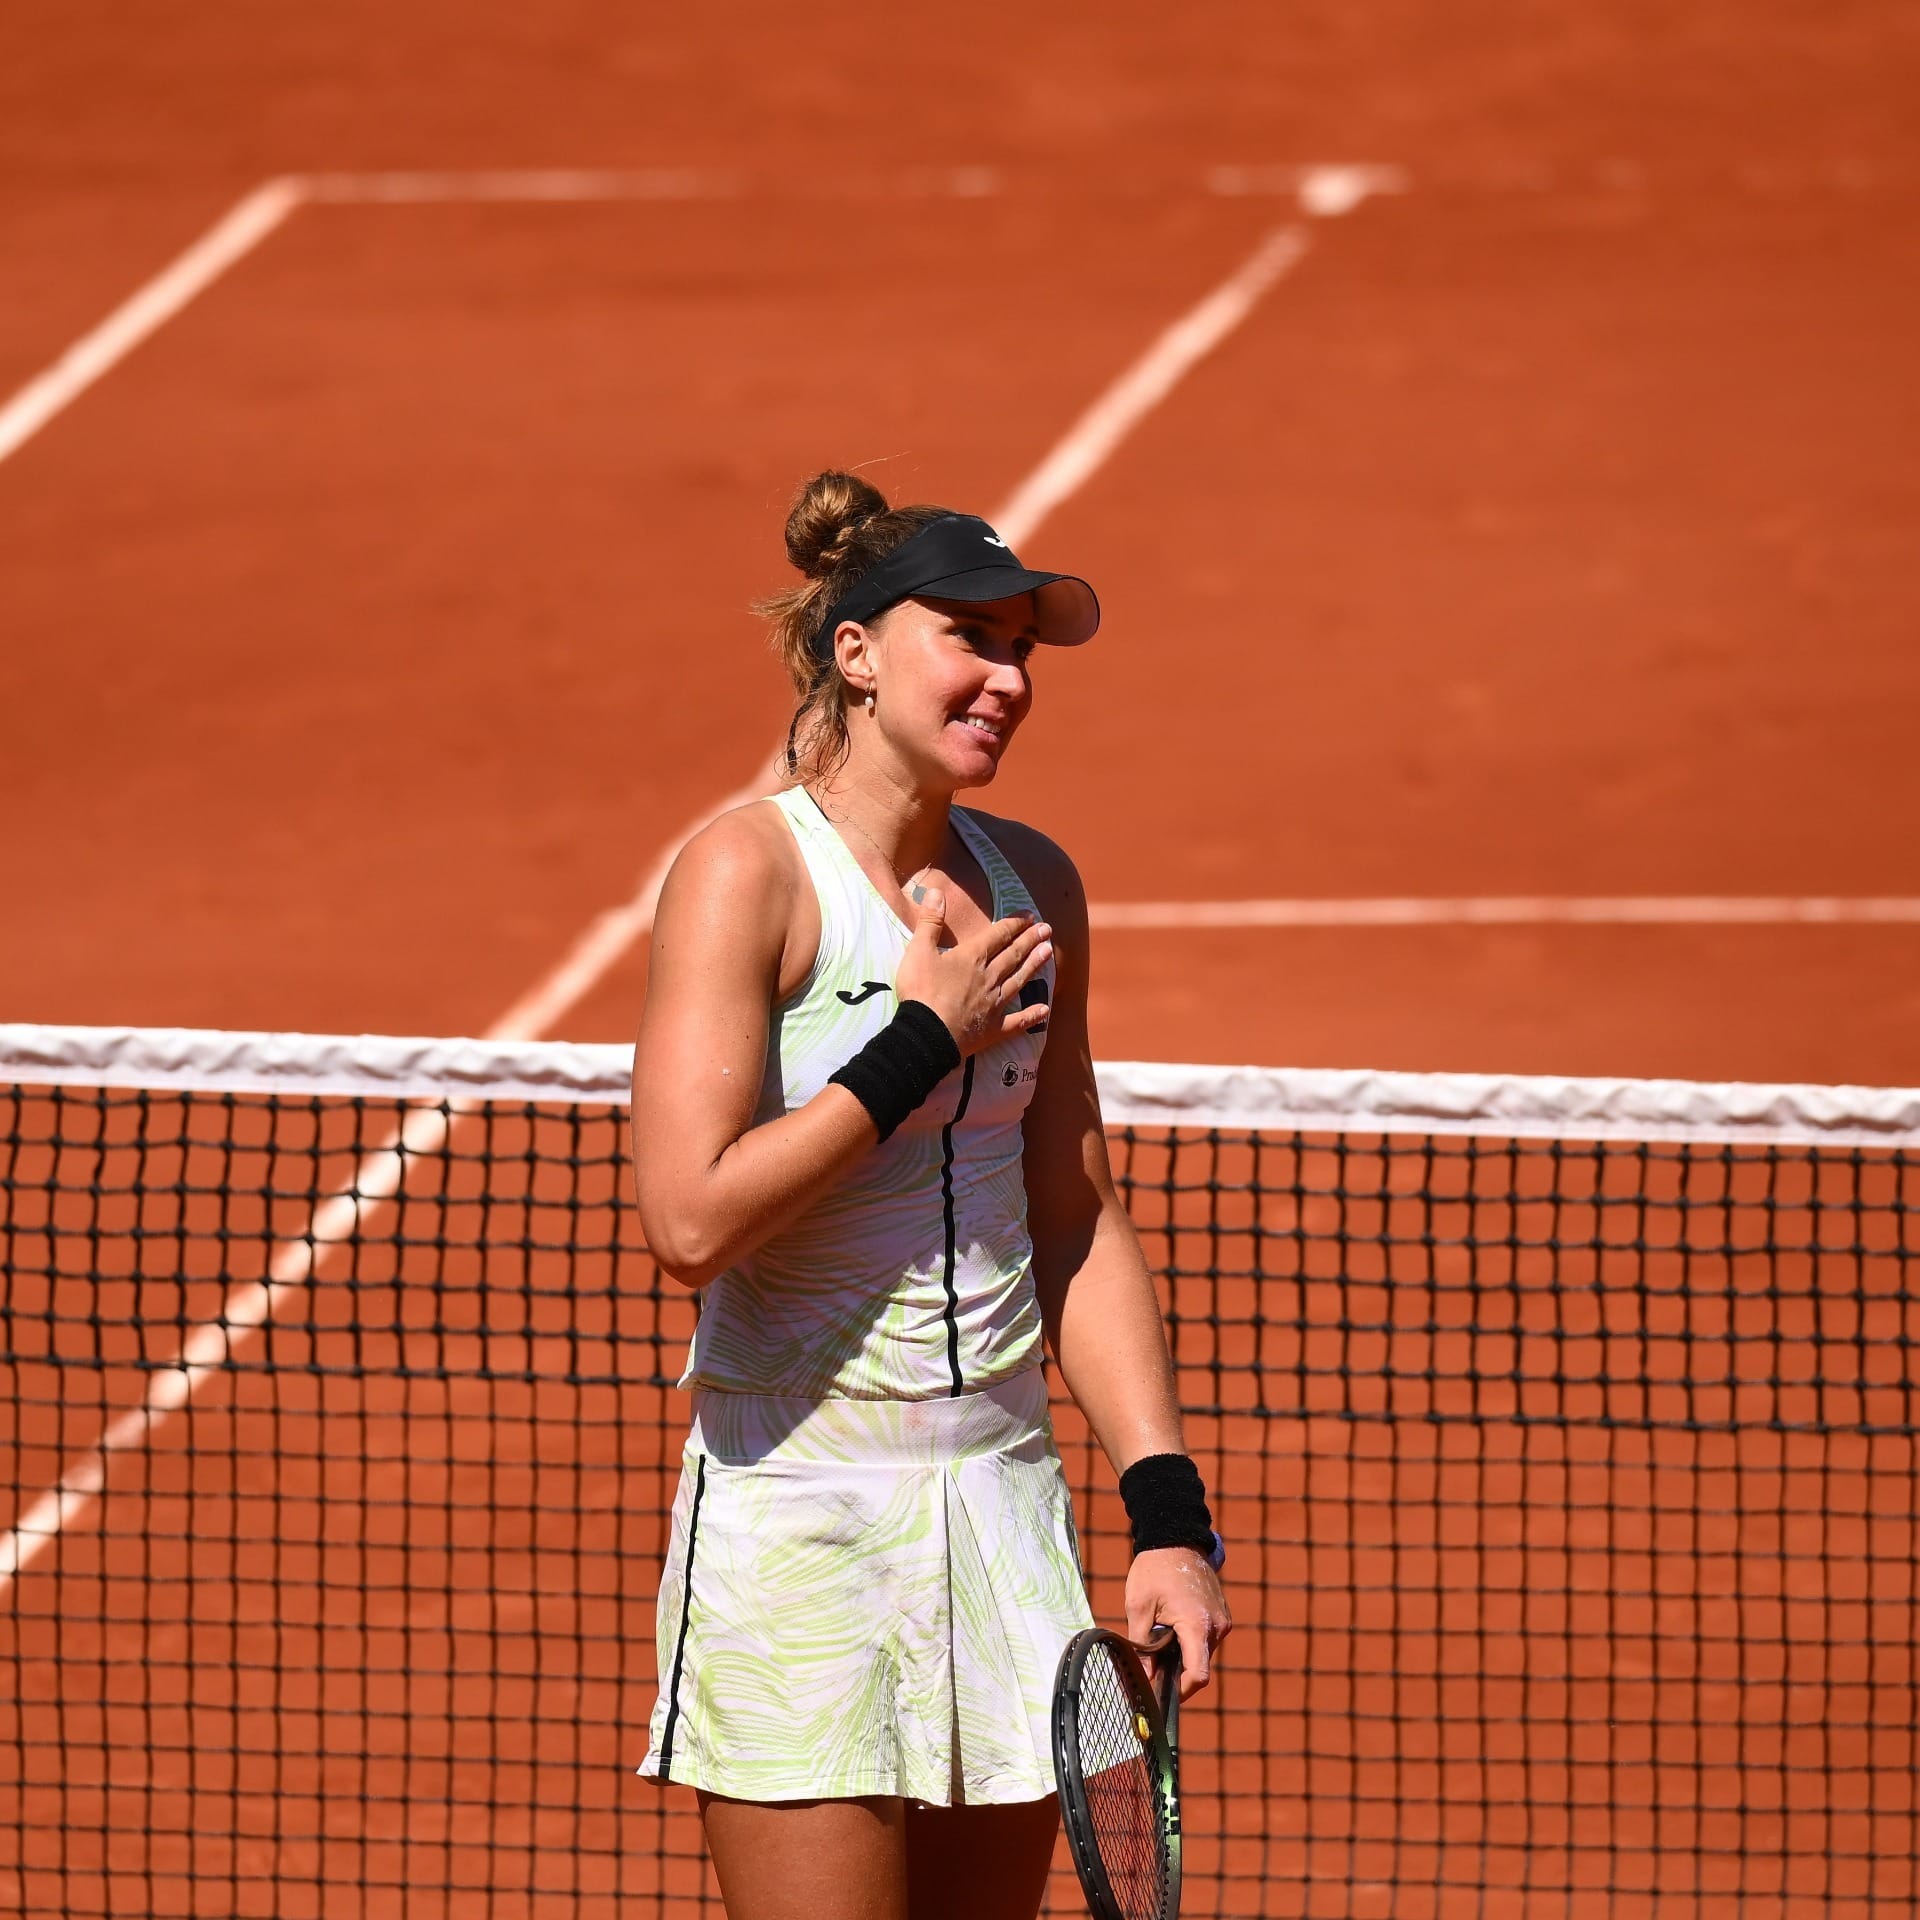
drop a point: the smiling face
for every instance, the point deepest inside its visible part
(951, 683)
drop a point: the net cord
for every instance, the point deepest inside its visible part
(1132, 1093)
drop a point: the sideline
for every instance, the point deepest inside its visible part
(96, 354)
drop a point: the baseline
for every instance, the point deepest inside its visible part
(1321, 190)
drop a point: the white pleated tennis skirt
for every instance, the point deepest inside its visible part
(866, 1597)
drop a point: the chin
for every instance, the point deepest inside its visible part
(957, 775)
(972, 777)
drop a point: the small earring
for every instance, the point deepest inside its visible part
(869, 699)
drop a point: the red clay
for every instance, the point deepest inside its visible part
(372, 628)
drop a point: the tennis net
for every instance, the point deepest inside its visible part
(1564, 1433)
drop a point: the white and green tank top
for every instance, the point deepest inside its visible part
(912, 1279)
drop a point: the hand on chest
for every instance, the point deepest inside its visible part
(969, 898)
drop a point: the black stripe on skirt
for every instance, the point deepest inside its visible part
(686, 1614)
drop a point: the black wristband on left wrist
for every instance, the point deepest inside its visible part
(1166, 1503)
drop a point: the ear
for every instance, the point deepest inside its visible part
(855, 651)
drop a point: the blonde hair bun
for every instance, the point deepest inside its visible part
(826, 519)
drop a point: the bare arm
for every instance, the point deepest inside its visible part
(1096, 1293)
(711, 1185)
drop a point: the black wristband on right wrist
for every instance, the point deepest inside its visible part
(903, 1063)
(1166, 1504)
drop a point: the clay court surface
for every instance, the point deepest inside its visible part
(1544, 531)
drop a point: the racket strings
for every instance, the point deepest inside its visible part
(1123, 1794)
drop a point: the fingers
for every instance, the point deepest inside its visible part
(1196, 1638)
(1209, 1629)
(975, 984)
(1197, 1641)
(1000, 937)
(1175, 1587)
(1015, 1019)
(1036, 957)
(1025, 1020)
(1196, 1656)
(1022, 957)
(1200, 1638)
(1142, 1617)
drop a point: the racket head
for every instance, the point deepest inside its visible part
(1119, 1784)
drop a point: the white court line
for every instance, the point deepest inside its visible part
(609, 936)
(594, 184)
(1523, 910)
(532, 185)
(423, 1130)
(97, 353)
(1326, 190)
(1093, 437)
(1323, 190)
(212, 1344)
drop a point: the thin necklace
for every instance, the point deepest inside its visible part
(850, 821)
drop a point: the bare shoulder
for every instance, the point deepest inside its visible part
(738, 894)
(745, 846)
(1050, 875)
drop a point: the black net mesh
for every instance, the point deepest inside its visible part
(1571, 1493)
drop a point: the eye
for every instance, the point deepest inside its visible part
(1023, 650)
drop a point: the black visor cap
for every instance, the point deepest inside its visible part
(961, 558)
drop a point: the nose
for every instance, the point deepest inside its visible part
(1008, 679)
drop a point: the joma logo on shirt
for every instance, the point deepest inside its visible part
(1012, 1075)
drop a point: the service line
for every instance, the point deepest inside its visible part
(423, 1130)
(1517, 910)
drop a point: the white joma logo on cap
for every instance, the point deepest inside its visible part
(991, 541)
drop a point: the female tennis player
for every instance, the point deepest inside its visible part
(866, 1129)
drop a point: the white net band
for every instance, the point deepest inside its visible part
(1132, 1093)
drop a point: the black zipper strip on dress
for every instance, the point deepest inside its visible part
(956, 1387)
(946, 1205)
(686, 1614)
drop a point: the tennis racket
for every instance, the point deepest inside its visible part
(1119, 1774)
